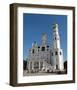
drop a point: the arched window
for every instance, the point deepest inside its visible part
(47, 49)
(43, 48)
(56, 53)
(38, 46)
(47, 46)
(52, 54)
(60, 53)
(33, 51)
(56, 66)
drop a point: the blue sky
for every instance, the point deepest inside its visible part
(36, 24)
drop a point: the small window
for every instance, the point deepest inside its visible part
(52, 54)
(47, 46)
(38, 46)
(43, 48)
(60, 53)
(55, 38)
(47, 49)
(33, 51)
(56, 53)
(56, 66)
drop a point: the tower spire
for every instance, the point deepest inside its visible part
(55, 27)
(44, 38)
(56, 38)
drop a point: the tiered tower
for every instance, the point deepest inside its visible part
(56, 51)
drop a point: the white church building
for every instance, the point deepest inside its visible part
(46, 57)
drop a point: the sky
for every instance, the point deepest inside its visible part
(36, 24)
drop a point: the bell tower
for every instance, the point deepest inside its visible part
(56, 52)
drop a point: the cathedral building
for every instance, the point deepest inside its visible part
(46, 57)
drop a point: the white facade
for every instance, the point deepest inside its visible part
(43, 58)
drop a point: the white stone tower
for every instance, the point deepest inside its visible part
(56, 51)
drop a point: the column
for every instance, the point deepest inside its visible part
(43, 64)
(32, 65)
(29, 65)
(39, 65)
